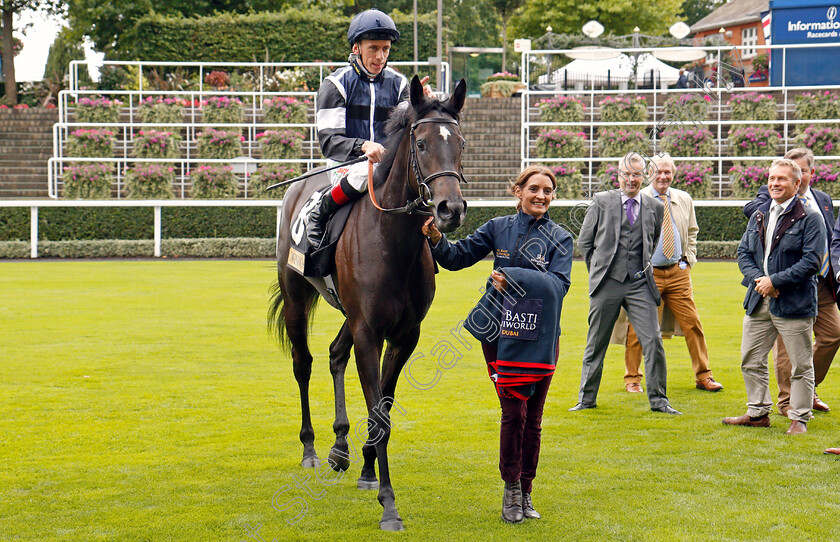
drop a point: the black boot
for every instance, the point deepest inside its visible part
(512, 502)
(318, 221)
(528, 507)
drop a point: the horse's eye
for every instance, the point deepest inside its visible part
(421, 145)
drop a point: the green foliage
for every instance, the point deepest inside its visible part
(97, 109)
(746, 179)
(161, 109)
(287, 110)
(213, 182)
(280, 144)
(150, 181)
(569, 181)
(623, 109)
(267, 175)
(219, 144)
(686, 108)
(292, 35)
(753, 141)
(817, 106)
(504, 89)
(65, 48)
(222, 110)
(86, 180)
(823, 140)
(753, 106)
(616, 143)
(695, 178)
(561, 144)
(93, 143)
(562, 109)
(688, 141)
(694, 10)
(155, 144)
(827, 178)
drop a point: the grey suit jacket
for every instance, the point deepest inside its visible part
(598, 240)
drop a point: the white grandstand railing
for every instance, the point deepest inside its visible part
(714, 121)
(157, 205)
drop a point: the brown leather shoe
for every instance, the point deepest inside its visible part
(835, 451)
(819, 405)
(796, 428)
(749, 421)
(633, 387)
(709, 384)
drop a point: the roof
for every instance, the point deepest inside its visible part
(732, 13)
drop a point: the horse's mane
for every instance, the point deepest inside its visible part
(400, 119)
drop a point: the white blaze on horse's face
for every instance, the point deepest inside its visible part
(444, 133)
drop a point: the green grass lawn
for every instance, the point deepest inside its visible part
(145, 401)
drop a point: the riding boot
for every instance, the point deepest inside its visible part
(512, 502)
(318, 221)
(528, 507)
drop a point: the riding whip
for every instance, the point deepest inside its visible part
(316, 171)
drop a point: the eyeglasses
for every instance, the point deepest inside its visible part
(635, 175)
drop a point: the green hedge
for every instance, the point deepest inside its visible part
(87, 223)
(292, 35)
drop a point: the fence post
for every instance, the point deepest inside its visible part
(33, 232)
(157, 231)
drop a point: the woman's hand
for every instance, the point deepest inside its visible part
(430, 230)
(499, 280)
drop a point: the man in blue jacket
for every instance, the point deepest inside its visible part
(779, 256)
(827, 323)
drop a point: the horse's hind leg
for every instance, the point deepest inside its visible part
(339, 458)
(296, 310)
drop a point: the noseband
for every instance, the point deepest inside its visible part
(420, 183)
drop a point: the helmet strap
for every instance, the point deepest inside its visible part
(355, 60)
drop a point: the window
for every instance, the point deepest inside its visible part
(749, 37)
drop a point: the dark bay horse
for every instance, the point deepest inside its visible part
(384, 278)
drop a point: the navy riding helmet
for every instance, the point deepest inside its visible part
(372, 25)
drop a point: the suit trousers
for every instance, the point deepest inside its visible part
(604, 305)
(675, 288)
(826, 343)
(759, 333)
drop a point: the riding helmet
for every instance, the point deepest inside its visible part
(372, 25)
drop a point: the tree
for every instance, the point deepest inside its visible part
(694, 10)
(9, 9)
(653, 17)
(505, 9)
(64, 49)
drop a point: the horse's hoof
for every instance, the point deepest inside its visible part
(363, 483)
(338, 461)
(391, 525)
(310, 462)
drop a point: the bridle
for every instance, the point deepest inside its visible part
(418, 182)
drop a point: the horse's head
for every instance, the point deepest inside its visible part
(436, 149)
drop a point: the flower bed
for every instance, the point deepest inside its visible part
(753, 141)
(162, 110)
(695, 178)
(500, 89)
(286, 110)
(561, 109)
(91, 143)
(822, 139)
(687, 108)
(827, 178)
(746, 180)
(752, 106)
(607, 176)
(98, 109)
(688, 141)
(267, 175)
(150, 181)
(88, 181)
(503, 76)
(213, 182)
(154, 144)
(616, 143)
(561, 144)
(222, 110)
(219, 144)
(817, 106)
(280, 144)
(623, 109)
(569, 181)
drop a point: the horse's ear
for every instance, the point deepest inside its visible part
(456, 101)
(417, 96)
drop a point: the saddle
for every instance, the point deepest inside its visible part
(302, 257)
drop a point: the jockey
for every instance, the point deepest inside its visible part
(353, 106)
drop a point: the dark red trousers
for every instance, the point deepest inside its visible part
(519, 439)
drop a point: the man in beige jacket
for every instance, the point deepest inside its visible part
(675, 255)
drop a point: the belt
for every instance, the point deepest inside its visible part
(663, 267)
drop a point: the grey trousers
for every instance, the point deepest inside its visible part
(759, 333)
(604, 306)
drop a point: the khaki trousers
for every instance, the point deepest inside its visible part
(759, 333)
(675, 288)
(827, 341)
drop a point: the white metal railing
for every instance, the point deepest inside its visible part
(157, 205)
(530, 114)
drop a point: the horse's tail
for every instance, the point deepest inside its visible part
(277, 316)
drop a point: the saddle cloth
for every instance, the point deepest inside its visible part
(321, 262)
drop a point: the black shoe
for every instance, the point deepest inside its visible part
(581, 406)
(318, 221)
(528, 507)
(667, 409)
(512, 502)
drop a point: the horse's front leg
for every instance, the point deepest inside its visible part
(339, 458)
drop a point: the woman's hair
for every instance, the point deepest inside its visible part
(526, 174)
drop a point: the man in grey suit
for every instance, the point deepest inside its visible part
(618, 237)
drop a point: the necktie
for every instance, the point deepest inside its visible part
(631, 210)
(824, 261)
(667, 229)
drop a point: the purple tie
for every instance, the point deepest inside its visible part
(631, 210)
